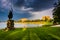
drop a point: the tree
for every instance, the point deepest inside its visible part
(56, 13)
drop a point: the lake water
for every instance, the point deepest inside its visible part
(19, 25)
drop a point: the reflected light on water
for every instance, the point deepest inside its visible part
(19, 25)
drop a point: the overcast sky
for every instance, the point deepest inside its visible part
(31, 9)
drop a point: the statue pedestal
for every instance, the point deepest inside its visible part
(10, 25)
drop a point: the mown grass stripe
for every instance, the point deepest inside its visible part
(15, 35)
(33, 34)
(54, 36)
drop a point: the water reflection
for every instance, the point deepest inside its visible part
(19, 25)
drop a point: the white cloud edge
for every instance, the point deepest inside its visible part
(40, 14)
(36, 15)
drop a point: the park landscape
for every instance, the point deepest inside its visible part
(47, 28)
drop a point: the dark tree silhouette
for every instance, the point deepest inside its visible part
(10, 15)
(56, 13)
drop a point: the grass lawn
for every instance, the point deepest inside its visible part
(42, 33)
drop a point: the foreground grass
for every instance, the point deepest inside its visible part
(43, 33)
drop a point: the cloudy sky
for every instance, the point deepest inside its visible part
(31, 9)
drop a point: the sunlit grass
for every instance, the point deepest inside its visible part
(38, 33)
(24, 29)
(41, 22)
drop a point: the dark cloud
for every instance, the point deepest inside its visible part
(17, 3)
(35, 4)
(22, 15)
(41, 4)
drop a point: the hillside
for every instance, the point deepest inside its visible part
(43, 33)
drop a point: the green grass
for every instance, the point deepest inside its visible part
(43, 33)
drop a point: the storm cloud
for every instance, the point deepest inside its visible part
(31, 9)
(37, 5)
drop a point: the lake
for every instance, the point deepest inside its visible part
(19, 25)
